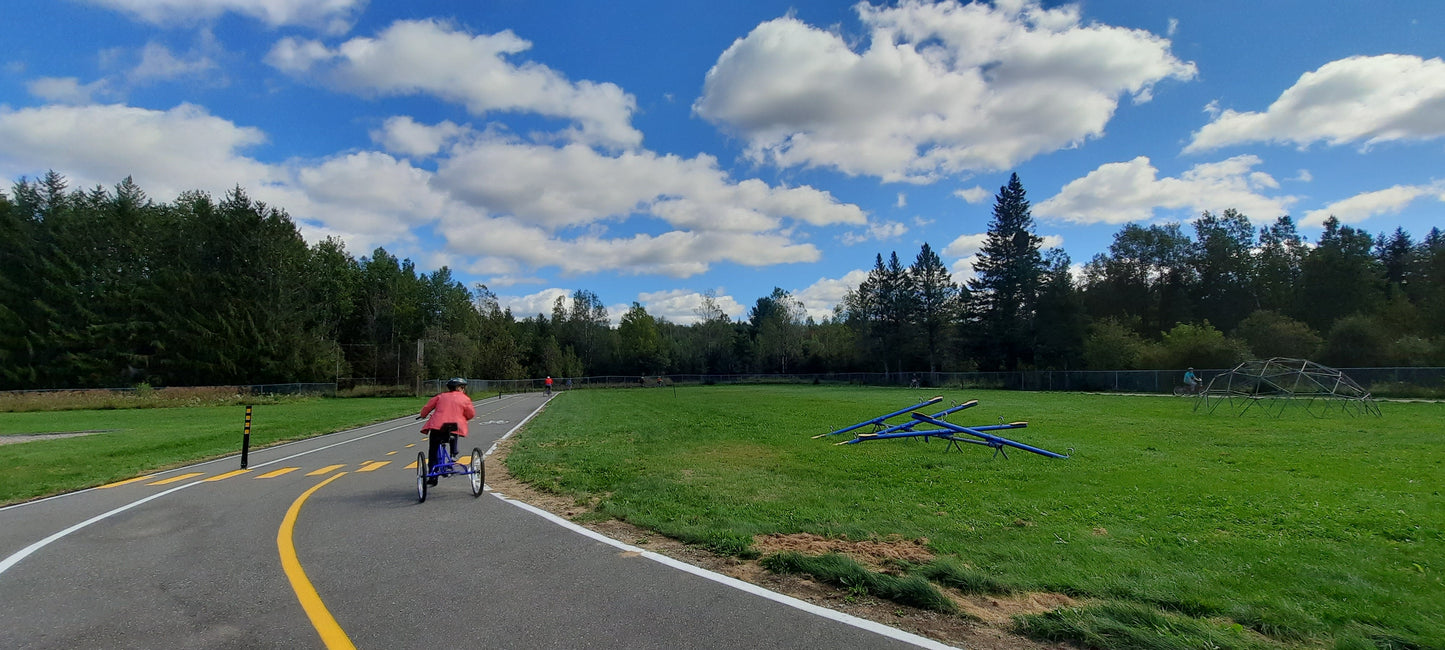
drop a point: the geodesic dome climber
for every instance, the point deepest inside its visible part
(1274, 384)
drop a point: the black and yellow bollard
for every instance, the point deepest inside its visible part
(246, 438)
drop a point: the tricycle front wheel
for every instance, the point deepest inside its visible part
(478, 470)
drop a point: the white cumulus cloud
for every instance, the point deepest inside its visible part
(1364, 99)
(430, 57)
(508, 207)
(1362, 206)
(941, 88)
(1122, 192)
(404, 135)
(67, 90)
(333, 16)
(164, 151)
(158, 63)
(820, 297)
(574, 185)
(680, 305)
(973, 194)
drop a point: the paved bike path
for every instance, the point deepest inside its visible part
(199, 567)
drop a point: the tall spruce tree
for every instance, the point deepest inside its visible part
(936, 301)
(1006, 287)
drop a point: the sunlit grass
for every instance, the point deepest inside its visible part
(133, 442)
(1299, 529)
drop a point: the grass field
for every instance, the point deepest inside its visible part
(1174, 529)
(138, 441)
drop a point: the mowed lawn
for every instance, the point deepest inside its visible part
(1299, 531)
(133, 442)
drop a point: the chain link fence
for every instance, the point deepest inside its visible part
(1388, 381)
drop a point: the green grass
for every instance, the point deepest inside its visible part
(1303, 532)
(841, 571)
(151, 439)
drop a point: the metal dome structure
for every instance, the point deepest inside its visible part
(1274, 384)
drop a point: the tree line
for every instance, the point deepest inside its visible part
(106, 287)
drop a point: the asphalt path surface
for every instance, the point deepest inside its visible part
(196, 558)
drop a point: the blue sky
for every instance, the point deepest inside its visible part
(660, 151)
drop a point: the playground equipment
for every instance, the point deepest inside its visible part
(1273, 384)
(945, 431)
(878, 421)
(990, 440)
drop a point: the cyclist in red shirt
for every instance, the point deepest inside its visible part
(453, 408)
(548, 383)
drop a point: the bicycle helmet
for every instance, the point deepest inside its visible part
(455, 383)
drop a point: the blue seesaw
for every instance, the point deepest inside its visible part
(988, 439)
(878, 421)
(946, 431)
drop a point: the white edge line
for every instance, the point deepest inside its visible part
(22, 553)
(848, 619)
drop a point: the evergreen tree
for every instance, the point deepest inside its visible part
(937, 301)
(1008, 272)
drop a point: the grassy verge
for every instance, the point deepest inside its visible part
(137, 441)
(1207, 529)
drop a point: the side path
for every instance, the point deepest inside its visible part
(151, 563)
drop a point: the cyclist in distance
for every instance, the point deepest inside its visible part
(450, 407)
(548, 384)
(1191, 381)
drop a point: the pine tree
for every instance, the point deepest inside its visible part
(937, 300)
(1008, 274)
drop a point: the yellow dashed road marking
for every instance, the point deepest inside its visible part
(325, 470)
(174, 479)
(283, 470)
(391, 453)
(373, 466)
(227, 475)
(128, 481)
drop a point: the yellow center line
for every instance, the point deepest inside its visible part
(128, 481)
(325, 470)
(174, 479)
(283, 470)
(227, 475)
(331, 633)
(373, 466)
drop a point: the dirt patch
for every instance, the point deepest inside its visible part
(15, 438)
(879, 554)
(1000, 610)
(984, 627)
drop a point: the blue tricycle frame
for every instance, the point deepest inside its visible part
(445, 466)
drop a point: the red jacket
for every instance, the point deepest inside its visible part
(451, 406)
